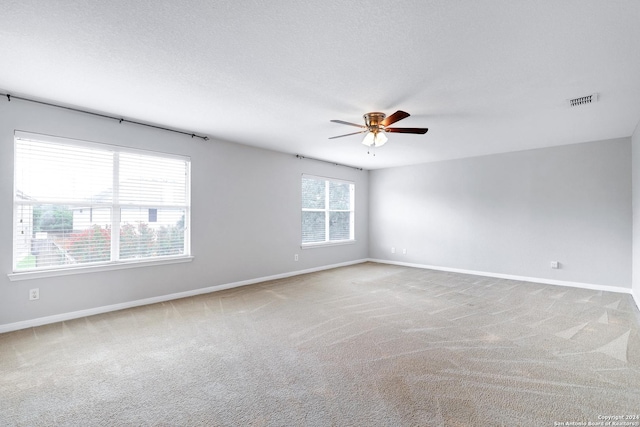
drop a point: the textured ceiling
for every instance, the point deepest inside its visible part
(483, 76)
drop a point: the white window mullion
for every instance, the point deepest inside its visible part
(327, 215)
(187, 212)
(115, 210)
(352, 204)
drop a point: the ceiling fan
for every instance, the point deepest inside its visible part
(375, 125)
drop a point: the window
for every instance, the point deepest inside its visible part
(327, 210)
(78, 203)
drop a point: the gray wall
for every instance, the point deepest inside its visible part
(636, 214)
(512, 213)
(245, 216)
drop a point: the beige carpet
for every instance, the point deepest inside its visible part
(366, 345)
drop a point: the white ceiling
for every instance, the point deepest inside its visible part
(485, 76)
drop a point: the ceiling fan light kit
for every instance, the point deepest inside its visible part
(376, 125)
(375, 139)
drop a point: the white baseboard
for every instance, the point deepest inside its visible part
(618, 289)
(9, 327)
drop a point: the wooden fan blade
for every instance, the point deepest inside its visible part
(395, 117)
(347, 123)
(348, 134)
(407, 130)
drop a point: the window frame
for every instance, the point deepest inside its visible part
(115, 262)
(327, 211)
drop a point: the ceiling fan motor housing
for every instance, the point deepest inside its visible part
(372, 121)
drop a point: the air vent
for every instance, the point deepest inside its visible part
(575, 102)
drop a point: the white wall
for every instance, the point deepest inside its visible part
(245, 217)
(512, 214)
(635, 141)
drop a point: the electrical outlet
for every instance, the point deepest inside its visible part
(393, 250)
(404, 251)
(295, 257)
(555, 264)
(34, 294)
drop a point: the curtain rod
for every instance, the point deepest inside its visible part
(106, 116)
(326, 161)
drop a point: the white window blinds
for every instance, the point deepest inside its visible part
(79, 203)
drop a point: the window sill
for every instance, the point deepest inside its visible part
(325, 244)
(39, 274)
